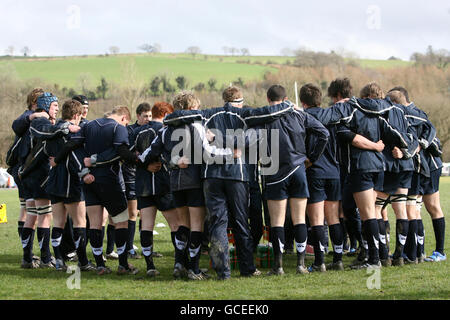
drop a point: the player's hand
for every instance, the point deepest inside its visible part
(154, 167)
(183, 162)
(418, 149)
(210, 136)
(380, 146)
(308, 163)
(87, 162)
(237, 153)
(73, 128)
(88, 179)
(52, 162)
(397, 153)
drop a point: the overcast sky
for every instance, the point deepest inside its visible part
(374, 29)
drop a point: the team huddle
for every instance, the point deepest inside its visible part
(210, 170)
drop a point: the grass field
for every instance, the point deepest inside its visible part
(66, 71)
(423, 281)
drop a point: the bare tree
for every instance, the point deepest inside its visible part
(194, 50)
(245, 52)
(151, 48)
(133, 89)
(26, 51)
(10, 51)
(114, 49)
(440, 58)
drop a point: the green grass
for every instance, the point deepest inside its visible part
(424, 281)
(66, 71)
(375, 64)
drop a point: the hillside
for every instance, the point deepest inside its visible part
(67, 71)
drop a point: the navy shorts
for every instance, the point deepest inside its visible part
(161, 202)
(415, 188)
(324, 189)
(34, 185)
(295, 185)
(189, 198)
(130, 191)
(362, 181)
(106, 192)
(430, 185)
(394, 180)
(56, 199)
(22, 192)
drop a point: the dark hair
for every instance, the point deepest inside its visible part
(232, 94)
(143, 107)
(81, 99)
(276, 93)
(32, 97)
(340, 86)
(71, 108)
(402, 90)
(311, 95)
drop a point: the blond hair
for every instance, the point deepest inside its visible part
(372, 90)
(121, 111)
(185, 100)
(397, 97)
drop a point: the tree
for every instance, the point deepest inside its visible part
(194, 50)
(439, 58)
(181, 82)
(10, 51)
(212, 84)
(306, 58)
(84, 82)
(239, 82)
(245, 52)
(167, 86)
(114, 49)
(151, 48)
(102, 88)
(226, 50)
(26, 51)
(154, 86)
(199, 86)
